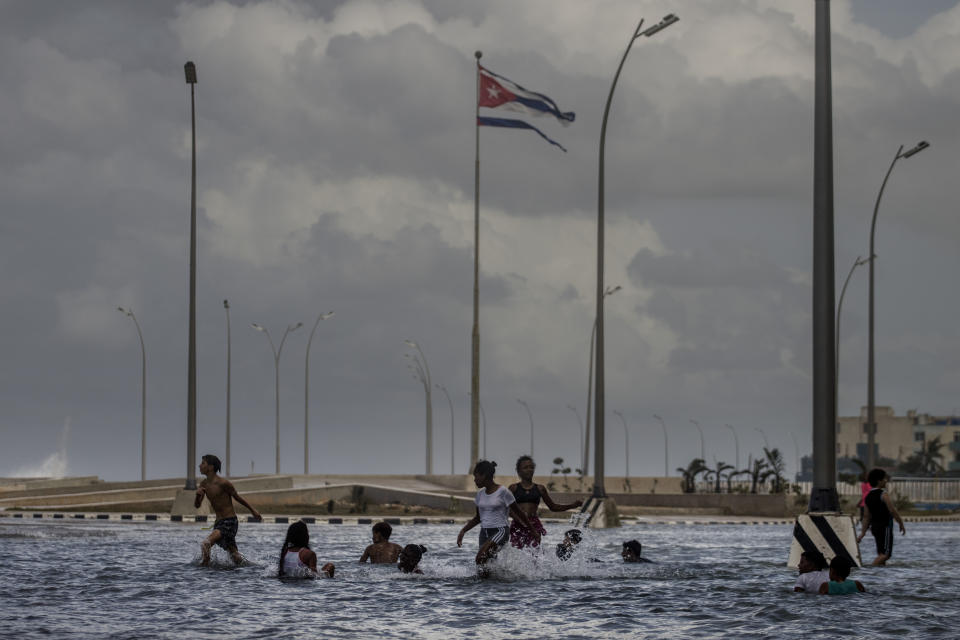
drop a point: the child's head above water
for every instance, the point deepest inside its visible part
(383, 531)
(573, 535)
(631, 551)
(410, 557)
(812, 561)
(839, 569)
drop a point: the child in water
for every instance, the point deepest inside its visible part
(839, 583)
(570, 541)
(410, 558)
(382, 551)
(631, 552)
(528, 495)
(220, 493)
(879, 515)
(813, 572)
(297, 559)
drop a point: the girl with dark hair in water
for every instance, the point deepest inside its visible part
(495, 505)
(528, 496)
(410, 558)
(297, 560)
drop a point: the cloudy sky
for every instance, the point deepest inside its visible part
(336, 149)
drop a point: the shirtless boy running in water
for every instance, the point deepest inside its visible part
(220, 492)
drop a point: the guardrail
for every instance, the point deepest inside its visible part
(940, 490)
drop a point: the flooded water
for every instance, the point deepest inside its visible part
(90, 579)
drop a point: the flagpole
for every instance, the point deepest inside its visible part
(475, 351)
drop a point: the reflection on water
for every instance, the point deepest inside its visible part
(102, 579)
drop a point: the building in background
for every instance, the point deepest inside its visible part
(899, 437)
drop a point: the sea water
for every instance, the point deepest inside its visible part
(101, 579)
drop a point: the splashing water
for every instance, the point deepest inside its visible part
(53, 466)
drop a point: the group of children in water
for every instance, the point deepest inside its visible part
(495, 506)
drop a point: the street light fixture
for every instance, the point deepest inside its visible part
(306, 395)
(626, 441)
(736, 445)
(143, 395)
(226, 309)
(871, 398)
(593, 338)
(423, 375)
(190, 72)
(666, 465)
(702, 447)
(529, 415)
(276, 366)
(599, 408)
(580, 422)
(450, 402)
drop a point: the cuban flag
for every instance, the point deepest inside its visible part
(497, 92)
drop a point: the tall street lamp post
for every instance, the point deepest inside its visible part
(226, 309)
(190, 71)
(306, 395)
(579, 422)
(871, 409)
(836, 375)
(626, 442)
(483, 420)
(450, 402)
(599, 408)
(702, 447)
(593, 339)
(422, 372)
(736, 445)
(766, 443)
(529, 415)
(276, 366)
(666, 465)
(143, 395)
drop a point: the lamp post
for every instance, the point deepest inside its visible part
(422, 372)
(702, 448)
(871, 419)
(450, 402)
(143, 395)
(276, 366)
(736, 444)
(529, 415)
(593, 338)
(306, 395)
(666, 465)
(226, 309)
(598, 409)
(580, 422)
(483, 418)
(626, 442)
(190, 72)
(836, 375)
(766, 443)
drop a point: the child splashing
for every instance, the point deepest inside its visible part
(494, 507)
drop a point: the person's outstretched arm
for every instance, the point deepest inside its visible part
(366, 554)
(471, 523)
(893, 512)
(236, 496)
(553, 506)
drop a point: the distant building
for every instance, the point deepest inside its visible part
(898, 437)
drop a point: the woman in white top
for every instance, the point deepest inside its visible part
(495, 505)
(297, 560)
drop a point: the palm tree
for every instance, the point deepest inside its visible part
(721, 467)
(930, 457)
(758, 473)
(732, 475)
(695, 468)
(776, 464)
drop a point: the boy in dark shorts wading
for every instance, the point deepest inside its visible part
(220, 492)
(878, 516)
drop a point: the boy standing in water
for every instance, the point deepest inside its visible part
(220, 492)
(382, 551)
(879, 515)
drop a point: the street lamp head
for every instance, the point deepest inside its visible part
(923, 144)
(226, 304)
(668, 20)
(257, 327)
(411, 343)
(611, 290)
(190, 70)
(478, 54)
(124, 311)
(328, 314)
(617, 413)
